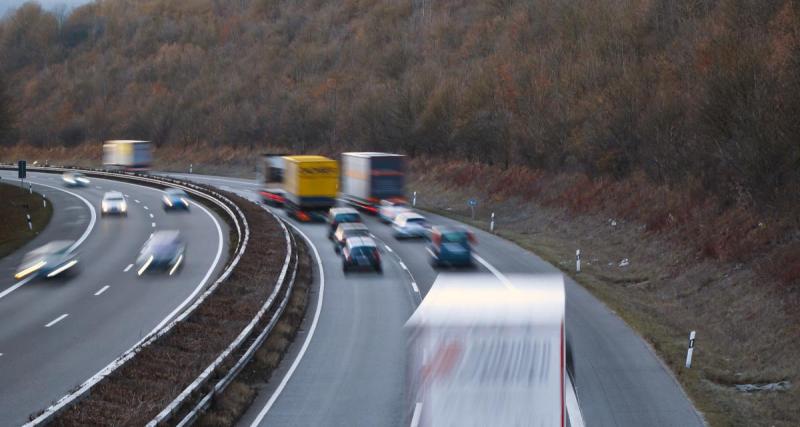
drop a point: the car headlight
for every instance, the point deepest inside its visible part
(185, 202)
(123, 207)
(104, 205)
(167, 201)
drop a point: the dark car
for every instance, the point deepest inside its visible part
(163, 251)
(175, 198)
(346, 231)
(48, 261)
(451, 246)
(338, 216)
(361, 253)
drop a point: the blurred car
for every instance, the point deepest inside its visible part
(74, 179)
(163, 251)
(410, 225)
(451, 246)
(388, 210)
(338, 216)
(48, 261)
(113, 204)
(361, 253)
(175, 198)
(347, 230)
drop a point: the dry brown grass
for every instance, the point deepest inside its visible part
(15, 203)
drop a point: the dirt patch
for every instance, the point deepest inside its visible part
(16, 204)
(141, 388)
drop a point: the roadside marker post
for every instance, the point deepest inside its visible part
(30, 188)
(578, 261)
(414, 200)
(690, 351)
(30, 224)
(44, 201)
(190, 167)
(491, 224)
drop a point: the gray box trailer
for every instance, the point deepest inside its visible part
(368, 178)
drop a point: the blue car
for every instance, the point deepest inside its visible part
(451, 246)
(163, 251)
(175, 199)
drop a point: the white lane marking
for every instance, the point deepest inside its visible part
(496, 272)
(414, 286)
(403, 265)
(84, 236)
(417, 413)
(151, 215)
(56, 320)
(146, 208)
(1, 354)
(127, 195)
(103, 289)
(98, 187)
(153, 224)
(128, 268)
(389, 248)
(212, 178)
(136, 201)
(306, 343)
(573, 409)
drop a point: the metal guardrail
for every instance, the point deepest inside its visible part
(175, 406)
(218, 199)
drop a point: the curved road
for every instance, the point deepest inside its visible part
(351, 369)
(58, 333)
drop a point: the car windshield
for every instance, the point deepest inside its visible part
(176, 193)
(347, 217)
(454, 237)
(356, 232)
(364, 251)
(114, 198)
(416, 221)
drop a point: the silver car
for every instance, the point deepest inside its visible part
(74, 179)
(410, 225)
(114, 204)
(48, 261)
(164, 251)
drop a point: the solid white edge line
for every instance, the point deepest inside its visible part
(84, 236)
(103, 289)
(56, 320)
(128, 268)
(573, 408)
(296, 362)
(417, 413)
(113, 365)
(414, 286)
(403, 265)
(389, 248)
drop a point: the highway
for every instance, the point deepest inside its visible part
(346, 368)
(58, 333)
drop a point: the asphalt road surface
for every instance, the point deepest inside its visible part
(346, 368)
(57, 333)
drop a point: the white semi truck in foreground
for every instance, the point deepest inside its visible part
(488, 352)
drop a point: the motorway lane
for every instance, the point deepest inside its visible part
(619, 379)
(40, 364)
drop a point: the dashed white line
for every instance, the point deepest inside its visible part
(56, 320)
(153, 224)
(103, 289)
(127, 195)
(403, 265)
(136, 201)
(414, 286)
(98, 187)
(128, 268)
(151, 215)
(388, 248)
(146, 208)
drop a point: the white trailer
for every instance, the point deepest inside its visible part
(127, 154)
(488, 352)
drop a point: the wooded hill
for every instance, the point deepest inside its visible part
(704, 93)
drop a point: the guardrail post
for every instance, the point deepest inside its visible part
(690, 351)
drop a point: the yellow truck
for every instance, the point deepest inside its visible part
(310, 186)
